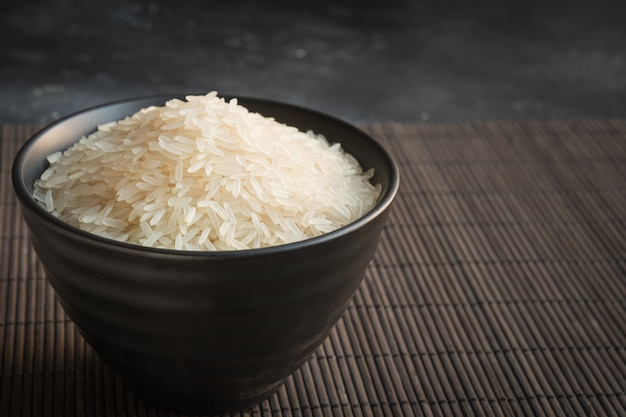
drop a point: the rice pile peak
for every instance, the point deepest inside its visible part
(205, 174)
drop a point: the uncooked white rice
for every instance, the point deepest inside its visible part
(205, 174)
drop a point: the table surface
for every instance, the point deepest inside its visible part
(499, 289)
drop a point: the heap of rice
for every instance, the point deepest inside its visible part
(205, 174)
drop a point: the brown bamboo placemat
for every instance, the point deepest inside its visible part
(499, 289)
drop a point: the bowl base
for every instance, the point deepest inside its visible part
(210, 403)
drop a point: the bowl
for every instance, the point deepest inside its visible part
(203, 331)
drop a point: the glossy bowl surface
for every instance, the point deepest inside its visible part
(203, 331)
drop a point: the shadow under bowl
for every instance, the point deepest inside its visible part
(203, 331)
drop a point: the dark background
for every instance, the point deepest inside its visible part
(362, 61)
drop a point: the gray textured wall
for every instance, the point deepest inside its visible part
(362, 61)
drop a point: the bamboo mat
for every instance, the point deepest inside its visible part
(499, 289)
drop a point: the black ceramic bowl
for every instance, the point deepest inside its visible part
(203, 331)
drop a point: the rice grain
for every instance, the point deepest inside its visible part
(205, 174)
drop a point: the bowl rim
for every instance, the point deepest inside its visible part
(26, 198)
